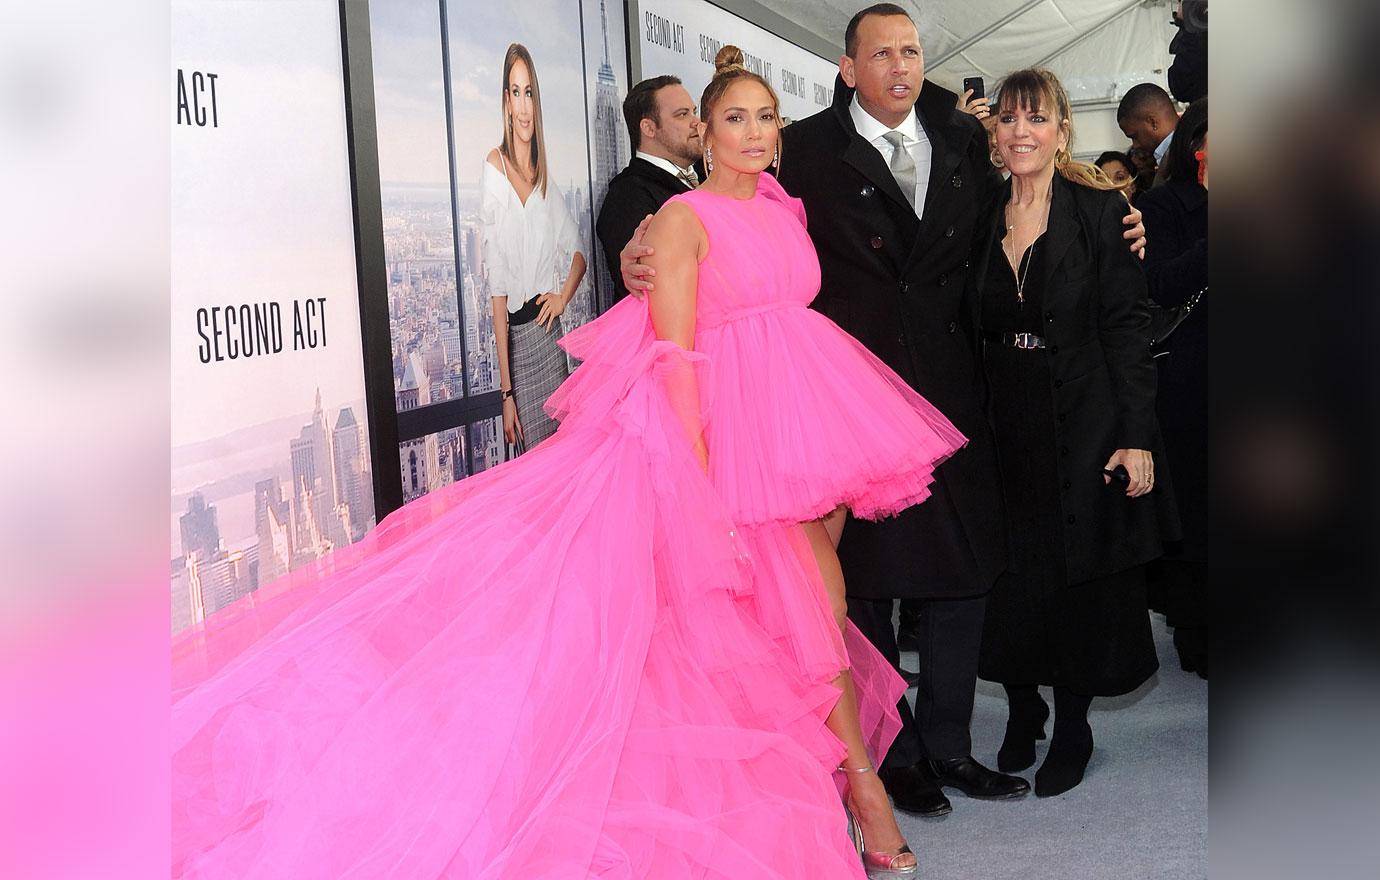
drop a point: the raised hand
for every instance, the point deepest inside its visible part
(980, 107)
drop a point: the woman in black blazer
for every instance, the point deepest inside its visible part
(1060, 307)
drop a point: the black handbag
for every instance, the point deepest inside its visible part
(1164, 321)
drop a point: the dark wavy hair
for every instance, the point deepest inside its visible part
(1116, 156)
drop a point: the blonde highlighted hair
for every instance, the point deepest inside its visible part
(1037, 89)
(518, 52)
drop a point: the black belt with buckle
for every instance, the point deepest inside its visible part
(525, 315)
(1015, 340)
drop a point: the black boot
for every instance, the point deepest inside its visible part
(1025, 724)
(1191, 645)
(1071, 747)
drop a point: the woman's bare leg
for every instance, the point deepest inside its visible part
(833, 524)
(867, 797)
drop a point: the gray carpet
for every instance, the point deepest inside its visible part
(1140, 814)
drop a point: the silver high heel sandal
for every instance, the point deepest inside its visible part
(878, 865)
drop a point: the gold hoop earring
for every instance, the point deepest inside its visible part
(996, 159)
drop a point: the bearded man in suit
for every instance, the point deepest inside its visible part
(663, 126)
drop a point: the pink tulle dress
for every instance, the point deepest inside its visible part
(595, 661)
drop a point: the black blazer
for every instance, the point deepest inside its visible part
(1097, 336)
(636, 191)
(896, 283)
(1176, 264)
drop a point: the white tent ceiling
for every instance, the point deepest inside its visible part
(1099, 48)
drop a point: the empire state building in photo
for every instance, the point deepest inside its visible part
(610, 148)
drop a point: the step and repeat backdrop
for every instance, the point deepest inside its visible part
(283, 238)
(681, 37)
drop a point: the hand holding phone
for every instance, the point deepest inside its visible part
(974, 98)
(1119, 474)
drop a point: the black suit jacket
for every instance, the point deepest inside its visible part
(636, 191)
(1176, 264)
(1097, 334)
(896, 283)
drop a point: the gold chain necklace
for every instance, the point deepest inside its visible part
(1020, 272)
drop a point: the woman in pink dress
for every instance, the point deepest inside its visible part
(621, 656)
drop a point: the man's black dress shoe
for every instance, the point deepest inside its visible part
(973, 779)
(907, 639)
(913, 791)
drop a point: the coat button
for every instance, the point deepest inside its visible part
(1063, 450)
(967, 263)
(1058, 383)
(949, 233)
(901, 338)
(1068, 484)
(1072, 519)
(943, 280)
(1049, 316)
(876, 242)
(957, 181)
(905, 287)
(953, 326)
(1062, 417)
(1054, 349)
(866, 191)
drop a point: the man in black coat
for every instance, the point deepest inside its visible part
(663, 126)
(894, 179)
(893, 231)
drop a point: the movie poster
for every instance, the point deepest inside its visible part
(462, 224)
(270, 453)
(681, 37)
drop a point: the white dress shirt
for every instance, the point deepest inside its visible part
(916, 141)
(1163, 148)
(666, 165)
(526, 248)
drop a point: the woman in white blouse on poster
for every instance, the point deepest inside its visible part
(532, 255)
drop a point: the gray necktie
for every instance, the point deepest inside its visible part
(902, 166)
(688, 177)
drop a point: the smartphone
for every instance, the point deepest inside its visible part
(974, 83)
(1119, 474)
